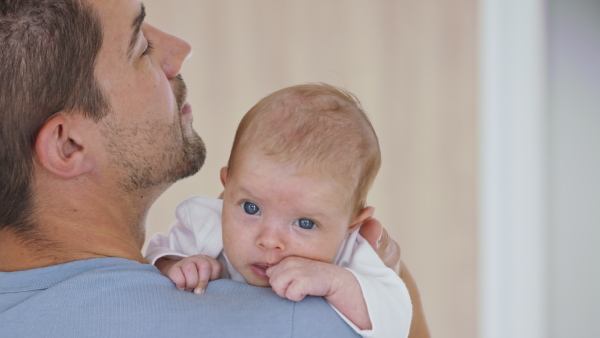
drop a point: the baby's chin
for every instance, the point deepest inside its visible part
(260, 284)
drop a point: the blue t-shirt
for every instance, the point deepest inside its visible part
(114, 297)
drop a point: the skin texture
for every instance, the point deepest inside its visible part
(95, 182)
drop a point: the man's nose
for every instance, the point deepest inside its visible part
(173, 50)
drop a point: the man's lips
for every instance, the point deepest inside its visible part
(186, 109)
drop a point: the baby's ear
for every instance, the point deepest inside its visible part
(224, 171)
(358, 220)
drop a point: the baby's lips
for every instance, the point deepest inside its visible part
(260, 269)
(263, 268)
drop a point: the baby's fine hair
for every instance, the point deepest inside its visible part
(314, 126)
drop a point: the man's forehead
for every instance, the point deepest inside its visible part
(117, 18)
(121, 22)
(117, 14)
(115, 4)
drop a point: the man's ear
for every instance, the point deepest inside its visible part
(363, 215)
(224, 172)
(60, 147)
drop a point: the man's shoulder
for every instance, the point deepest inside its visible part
(120, 298)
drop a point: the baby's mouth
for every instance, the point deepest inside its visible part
(260, 270)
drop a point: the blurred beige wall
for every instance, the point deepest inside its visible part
(413, 65)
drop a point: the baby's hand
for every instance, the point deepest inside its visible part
(191, 273)
(295, 277)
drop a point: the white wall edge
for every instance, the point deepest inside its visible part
(513, 174)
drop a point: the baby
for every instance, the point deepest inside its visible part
(295, 189)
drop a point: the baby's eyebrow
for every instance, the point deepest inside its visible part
(137, 26)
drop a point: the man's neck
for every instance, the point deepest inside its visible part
(79, 219)
(76, 229)
(31, 251)
(15, 254)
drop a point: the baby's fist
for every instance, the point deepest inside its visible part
(193, 272)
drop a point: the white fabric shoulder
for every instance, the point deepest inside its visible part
(197, 231)
(386, 295)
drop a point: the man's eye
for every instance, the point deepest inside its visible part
(149, 48)
(250, 208)
(305, 223)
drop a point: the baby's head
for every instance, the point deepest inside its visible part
(302, 163)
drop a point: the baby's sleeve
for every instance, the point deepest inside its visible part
(197, 231)
(386, 295)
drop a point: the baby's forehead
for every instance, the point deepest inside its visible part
(338, 184)
(338, 190)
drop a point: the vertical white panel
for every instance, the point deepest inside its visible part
(513, 125)
(574, 101)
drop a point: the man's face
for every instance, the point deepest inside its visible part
(272, 211)
(148, 132)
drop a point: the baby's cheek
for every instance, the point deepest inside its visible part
(323, 252)
(230, 233)
(229, 242)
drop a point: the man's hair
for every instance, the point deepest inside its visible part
(316, 126)
(47, 58)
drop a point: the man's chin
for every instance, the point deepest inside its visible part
(195, 156)
(192, 168)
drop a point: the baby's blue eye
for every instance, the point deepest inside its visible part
(305, 223)
(250, 208)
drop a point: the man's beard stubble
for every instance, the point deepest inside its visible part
(184, 154)
(193, 146)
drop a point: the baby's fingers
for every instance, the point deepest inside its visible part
(296, 290)
(216, 269)
(190, 273)
(208, 269)
(280, 285)
(175, 274)
(286, 286)
(279, 280)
